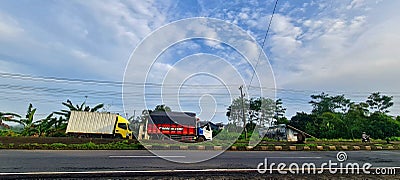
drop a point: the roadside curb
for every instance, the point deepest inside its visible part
(279, 146)
(296, 147)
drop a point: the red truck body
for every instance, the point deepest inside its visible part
(172, 124)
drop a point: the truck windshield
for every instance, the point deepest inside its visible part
(122, 126)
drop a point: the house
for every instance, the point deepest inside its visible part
(284, 132)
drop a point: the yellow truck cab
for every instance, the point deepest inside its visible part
(122, 128)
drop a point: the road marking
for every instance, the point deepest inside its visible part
(147, 156)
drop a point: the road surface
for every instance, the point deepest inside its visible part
(112, 163)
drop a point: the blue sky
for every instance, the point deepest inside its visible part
(340, 47)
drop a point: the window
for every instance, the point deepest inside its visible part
(122, 125)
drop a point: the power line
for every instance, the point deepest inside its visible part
(263, 44)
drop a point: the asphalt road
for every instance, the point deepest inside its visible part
(74, 163)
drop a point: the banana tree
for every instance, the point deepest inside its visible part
(65, 113)
(5, 116)
(46, 125)
(27, 122)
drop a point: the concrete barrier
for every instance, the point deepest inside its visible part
(344, 147)
(201, 147)
(356, 148)
(368, 148)
(264, 148)
(320, 148)
(278, 148)
(292, 148)
(218, 148)
(379, 147)
(183, 147)
(390, 147)
(306, 148)
(234, 148)
(249, 148)
(332, 148)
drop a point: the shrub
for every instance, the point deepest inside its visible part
(57, 146)
(395, 138)
(89, 145)
(30, 146)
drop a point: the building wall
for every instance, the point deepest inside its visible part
(291, 135)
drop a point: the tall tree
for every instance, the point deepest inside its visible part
(235, 111)
(257, 110)
(279, 110)
(380, 103)
(324, 103)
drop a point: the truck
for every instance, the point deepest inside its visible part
(181, 126)
(98, 125)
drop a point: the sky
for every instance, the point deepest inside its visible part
(51, 51)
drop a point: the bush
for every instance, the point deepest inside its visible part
(30, 146)
(58, 134)
(57, 146)
(9, 133)
(89, 145)
(394, 138)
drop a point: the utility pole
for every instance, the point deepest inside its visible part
(243, 109)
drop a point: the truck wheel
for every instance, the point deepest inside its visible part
(200, 139)
(118, 136)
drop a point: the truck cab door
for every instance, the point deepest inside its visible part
(207, 132)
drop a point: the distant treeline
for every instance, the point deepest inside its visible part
(339, 117)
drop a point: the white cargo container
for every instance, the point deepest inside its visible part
(98, 124)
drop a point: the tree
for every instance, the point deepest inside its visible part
(7, 117)
(309, 123)
(356, 120)
(280, 112)
(162, 107)
(61, 123)
(46, 125)
(380, 103)
(332, 126)
(264, 110)
(324, 103)
(235, 111)
(257, 110)
(27, 122)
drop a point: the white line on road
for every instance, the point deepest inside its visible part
(147, 156)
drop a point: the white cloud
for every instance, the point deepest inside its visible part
(9, 27)
(356, 4)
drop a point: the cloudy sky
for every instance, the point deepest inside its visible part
(51, 51)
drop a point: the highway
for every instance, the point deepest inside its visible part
(128, 163)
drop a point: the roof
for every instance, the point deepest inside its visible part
(184, 118)
(298, 130)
